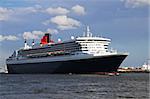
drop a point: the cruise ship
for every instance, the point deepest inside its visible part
(85, 54)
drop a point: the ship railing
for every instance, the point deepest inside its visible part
(56, 53)
(124, 53)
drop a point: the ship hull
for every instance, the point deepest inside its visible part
(78, 66)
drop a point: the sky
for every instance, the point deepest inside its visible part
(125, 22)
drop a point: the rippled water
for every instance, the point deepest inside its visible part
(50, 86)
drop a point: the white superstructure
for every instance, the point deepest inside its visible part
(94, 45)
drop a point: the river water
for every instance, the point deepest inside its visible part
(76, 86)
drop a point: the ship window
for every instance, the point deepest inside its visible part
(84, 50)
(80, 40)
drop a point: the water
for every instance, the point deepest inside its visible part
(50, 86)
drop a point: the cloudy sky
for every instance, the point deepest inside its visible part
(124, 21)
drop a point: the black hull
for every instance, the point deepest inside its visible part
(92, 65)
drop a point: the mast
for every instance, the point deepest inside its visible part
(88, 33)
(25, 44)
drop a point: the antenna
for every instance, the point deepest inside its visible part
(88, 31)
